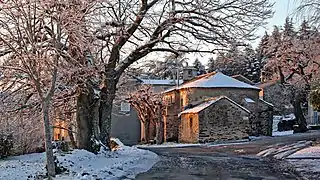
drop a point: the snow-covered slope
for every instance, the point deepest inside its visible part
(125, 162)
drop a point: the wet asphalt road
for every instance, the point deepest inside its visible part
(226, 162)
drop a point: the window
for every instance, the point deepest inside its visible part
(190, 122)
(189, 72)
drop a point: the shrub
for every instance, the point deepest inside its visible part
(315, 99)
(6, 145)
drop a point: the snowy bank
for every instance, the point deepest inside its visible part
(310, 152)
(126, 162)
(181, 145)
(282, 133)
(167, 145)
(307, 162)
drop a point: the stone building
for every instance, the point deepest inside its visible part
(280, 95)
(199, 124)
(238, 96)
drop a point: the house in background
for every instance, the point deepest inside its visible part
(280, 96)
(125, 123)
(239, 100)
(313, 116)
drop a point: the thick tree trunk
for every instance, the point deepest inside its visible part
(87, 119)
(83, 121)
(159, 128)
(48, 142)
(147, 131)
(108, 93)
(301, 120)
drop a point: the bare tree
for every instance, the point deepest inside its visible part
(309, 10)
(33, 35)
(131, 30)
(150, 107)
(99, 40)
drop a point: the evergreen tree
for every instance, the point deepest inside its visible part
(211, 65)
(288, 29)
(263, 44)
(252, 65)
(200, 68)
(305, 31)
(274, 43)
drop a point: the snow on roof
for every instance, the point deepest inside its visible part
(217, 80)
(248, 100)
(206, 104)
(161, 81)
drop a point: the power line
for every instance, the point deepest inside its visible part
(288, 3)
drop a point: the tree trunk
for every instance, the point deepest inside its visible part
(87, 118)
(301, 120)
(48, 142)
(95, 118)
(70, 134)
(147, 131)
(84, 125)
(159, 127)
(108, 93)
(159, 136)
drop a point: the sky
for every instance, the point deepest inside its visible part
(282, 9)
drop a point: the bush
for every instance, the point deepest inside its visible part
(315, 99)
(6, 145)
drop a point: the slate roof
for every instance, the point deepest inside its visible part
(214, 80)
(160, 82)
(208, 103)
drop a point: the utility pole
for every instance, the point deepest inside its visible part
(177, 66)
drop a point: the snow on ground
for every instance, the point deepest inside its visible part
(179, 145)
(303, 162)
(125, 162)
(282, 133)
(309, 152)
(167, 145)
(237, 142)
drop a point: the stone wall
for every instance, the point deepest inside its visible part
(261, 118)
(280, 96)
(223, 121)
(236, 94)
(189, 128)
(170, 118)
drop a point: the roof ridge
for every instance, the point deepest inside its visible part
(201, 77)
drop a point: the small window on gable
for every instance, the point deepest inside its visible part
(190, 121)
